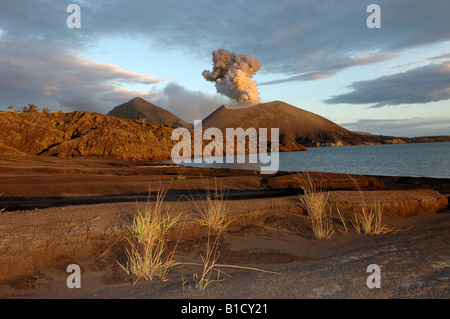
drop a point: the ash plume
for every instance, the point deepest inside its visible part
(232, 74)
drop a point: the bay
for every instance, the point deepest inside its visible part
(415, 160)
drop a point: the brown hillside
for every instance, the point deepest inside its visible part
(82, 134)
(139, 108)
(295, 124)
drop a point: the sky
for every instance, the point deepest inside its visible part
(320, 56)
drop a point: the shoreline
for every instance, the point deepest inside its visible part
(60, 211)
(288, 162)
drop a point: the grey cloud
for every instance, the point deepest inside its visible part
(187, 104)
(441, 56)
(424, 84)
(333, 69)
(417, 63)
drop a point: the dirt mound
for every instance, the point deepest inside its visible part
(139, 108)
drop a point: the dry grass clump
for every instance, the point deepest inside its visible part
(213, 214)
(315, 202)
(369, 220)
(147, 256)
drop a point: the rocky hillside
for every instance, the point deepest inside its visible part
(82, 134)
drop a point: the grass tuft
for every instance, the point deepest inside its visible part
(369, 220)
(147, 256)
(315, 202)
(213, 213)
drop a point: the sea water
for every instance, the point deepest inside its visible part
(417, 160)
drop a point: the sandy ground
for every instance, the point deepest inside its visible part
(76, 211)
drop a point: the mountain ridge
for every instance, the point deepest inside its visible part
(138, 108)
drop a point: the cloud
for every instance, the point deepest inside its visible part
(402, 127)
(188, 105)
(35, 72)
(332, 70)
(441, 56)
(424, 84)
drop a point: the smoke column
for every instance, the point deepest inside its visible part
(232, 74)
